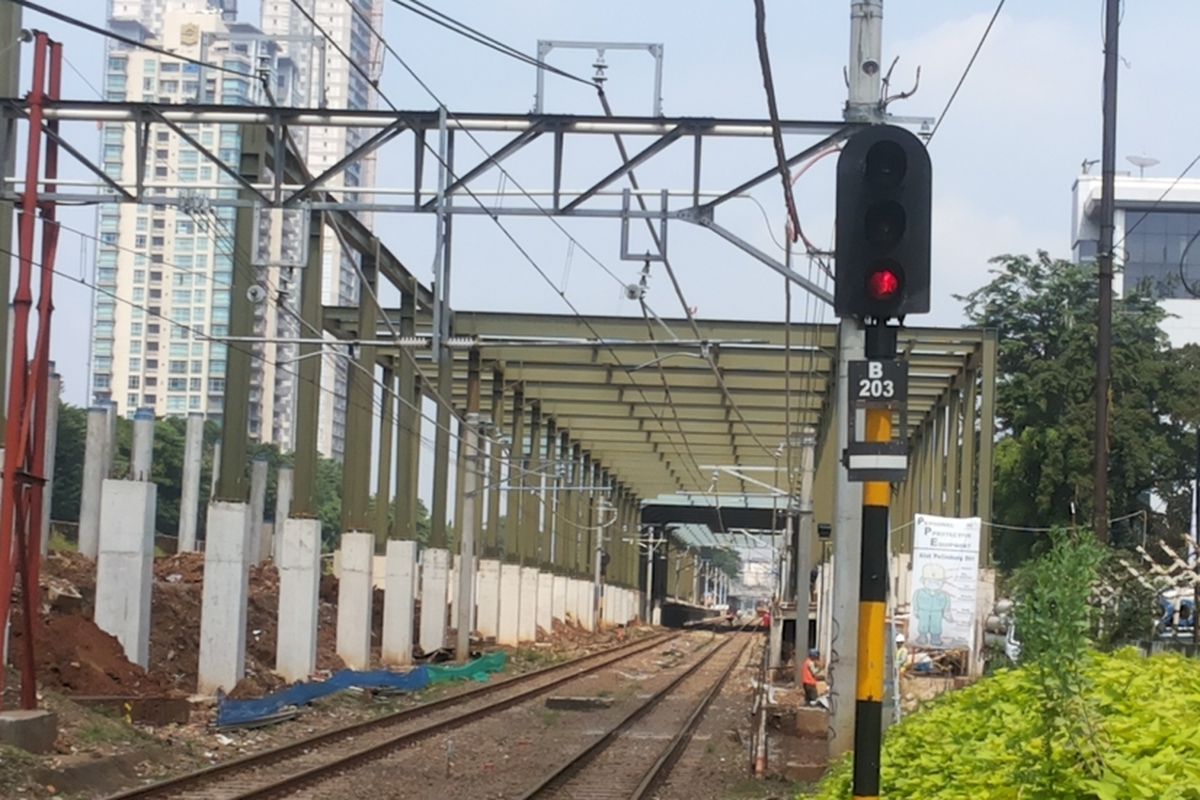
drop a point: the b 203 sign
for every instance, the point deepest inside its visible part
(878, 381)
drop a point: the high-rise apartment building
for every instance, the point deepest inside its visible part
(328, 81)
(164, 267)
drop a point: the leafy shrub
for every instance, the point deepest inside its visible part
(1055, 619)
(989, 740)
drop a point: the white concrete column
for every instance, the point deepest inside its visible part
(509, 631)
(572, 609)
(189, 499)
(125, 567)
(354, 599)
(110, 438)
(283, 506)
(527, 619)
(587, 604)
(223, 613)
(435, 573)
(258, 503)
(299, 598)
(142, 450)
(488, 594)
(52, 401)
(216, 469)
(399, 602)
(558, 598)
(93, 479)
(545, 602)
(452, 585)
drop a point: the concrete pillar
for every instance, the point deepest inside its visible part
(125, 567)
(283, 507)
(110, 438)
(299, 565)
(488, 598)
(258, 503)
(93, 479)
(452, 584)
(775, 636)
(587, 604)
(508, 631)
(527, 621)
(558, 598)
(52, 402)
(842, 661)
(223, 613)
(354, 600)
(580, 599)
(435, 569)
(545, 602)
(189, 500)
(216, 470)
(399, 603)
(142, 451)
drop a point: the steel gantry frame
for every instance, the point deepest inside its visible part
(629, 426)
(284, 190)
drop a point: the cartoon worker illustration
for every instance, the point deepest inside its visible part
(931, 605)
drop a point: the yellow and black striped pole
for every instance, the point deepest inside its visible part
(872, 608)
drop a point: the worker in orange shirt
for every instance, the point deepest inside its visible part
(810, 673)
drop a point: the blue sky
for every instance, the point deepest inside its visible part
(1004, 159)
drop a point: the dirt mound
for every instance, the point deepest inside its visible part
(74, 655)
(180, 568)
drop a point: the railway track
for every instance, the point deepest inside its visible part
(281, 770)
(633, 756)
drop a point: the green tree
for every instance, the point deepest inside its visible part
(68, 463)
(1045, 312)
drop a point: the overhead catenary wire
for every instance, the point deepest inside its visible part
(508, 176)
(1157, 203)
(764, 62)
(963, 78)
(666, 262)
(376, 407)
(462, 29)
(512, 239)
(78, 23)
(524, 252)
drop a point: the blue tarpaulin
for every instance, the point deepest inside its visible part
(231, 713)
(242, 712)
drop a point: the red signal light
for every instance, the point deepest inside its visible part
(883, 284)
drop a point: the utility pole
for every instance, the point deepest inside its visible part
(1104, 264)
(471, 506)
(862, 104)
(804, 545)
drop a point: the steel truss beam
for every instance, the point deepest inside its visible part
(388, 125)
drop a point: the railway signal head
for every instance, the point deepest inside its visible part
(884, 198)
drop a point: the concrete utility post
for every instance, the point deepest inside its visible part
(804, 545)
(862, 104)
(471, 506)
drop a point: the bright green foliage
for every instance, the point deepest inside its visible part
(986, 740)
(1054, 623)
(1044, 311)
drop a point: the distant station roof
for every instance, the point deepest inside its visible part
(693, 415)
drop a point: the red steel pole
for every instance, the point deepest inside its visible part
(24, 441)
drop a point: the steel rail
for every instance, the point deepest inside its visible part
(581, 760)
(573, 669)
(666, 761)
